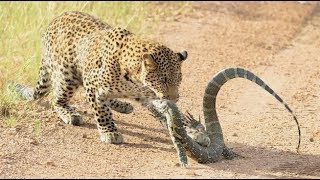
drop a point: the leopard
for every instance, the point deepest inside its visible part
(110, 63)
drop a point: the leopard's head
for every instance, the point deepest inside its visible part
(161, 71)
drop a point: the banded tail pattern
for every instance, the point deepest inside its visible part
(222, 77)
(28, 93)
(23, 91)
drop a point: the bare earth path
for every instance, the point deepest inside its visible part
(277, 41)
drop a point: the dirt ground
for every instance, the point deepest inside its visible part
(278, 41)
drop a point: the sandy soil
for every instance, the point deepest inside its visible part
(278, 41)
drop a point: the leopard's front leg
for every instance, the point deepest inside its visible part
(103, 116)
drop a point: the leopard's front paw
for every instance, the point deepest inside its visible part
(122, 107)
(76, 120)
(111, 137)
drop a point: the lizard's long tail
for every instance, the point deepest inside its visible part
(214, 86)
(28, 93)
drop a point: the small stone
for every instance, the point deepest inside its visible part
(12, 131)
(222, 106)
(84, 136)
(311, 139)
(18, 128)
(269, 48)
(60, 124)
(50, 163)
(235, 134)
(34, 142)
(191, 173)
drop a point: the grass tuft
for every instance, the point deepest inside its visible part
(37, 127)
(11, 122)
(7, 102)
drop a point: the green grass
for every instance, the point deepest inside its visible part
(7, 101)
(22, 24)
(37, 127)
(11, 122)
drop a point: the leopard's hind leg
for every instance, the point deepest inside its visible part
(63, 89)
(43, 84)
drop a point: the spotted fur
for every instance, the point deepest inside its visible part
(109, 62)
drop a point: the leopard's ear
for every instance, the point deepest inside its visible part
(149, 62)
(183, 55)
